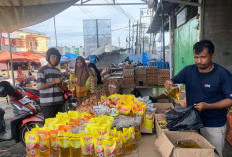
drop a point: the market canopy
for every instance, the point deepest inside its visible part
(107, 49)
(16, 14)
(5, 57)
(71, 55)
(35, 57)
(65, 59)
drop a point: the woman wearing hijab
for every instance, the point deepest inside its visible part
(82, 73)
(95, 72)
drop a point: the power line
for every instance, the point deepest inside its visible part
(90, 16)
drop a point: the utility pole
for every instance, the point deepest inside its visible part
(129, 37)
(163, 37)
(137, 32)
(132, 45)
(97, 33)
(140, 25)
(55, 29)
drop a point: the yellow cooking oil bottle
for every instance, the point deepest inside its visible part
(75, 150)
(64, 143)
(32, 143)
(44, 143)
(54, 143)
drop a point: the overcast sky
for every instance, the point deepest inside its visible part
(69, 23)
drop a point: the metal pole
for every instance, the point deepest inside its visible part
(11, 60)
(143, 37)
(163, 37)
(140, 25)
(129, 36)
(137, 41)
(97, 33)
(171, 50)
(55, 29)
(132, 45)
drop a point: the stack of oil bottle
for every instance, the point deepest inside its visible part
(75, 134)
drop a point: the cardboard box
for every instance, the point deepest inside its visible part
(162, 100)
(166, 144)
(159, 117)
(163, 107)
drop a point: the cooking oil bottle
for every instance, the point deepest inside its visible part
(44, 143)
(75, 150)
(64, 143)
(54, 143)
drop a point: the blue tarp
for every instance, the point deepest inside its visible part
(71, 55)
(65, 59)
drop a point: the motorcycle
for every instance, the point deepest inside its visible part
(69, 102)
(32, 94)
(25, 114)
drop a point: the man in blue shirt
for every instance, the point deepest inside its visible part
(209, 89)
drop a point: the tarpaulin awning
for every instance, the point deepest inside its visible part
(5, 57)
(31, 56)
(107, 49)
(65, 59)
(35, 57)
(71, 55)
(16, 14)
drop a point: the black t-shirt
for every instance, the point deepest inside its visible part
(210, 87)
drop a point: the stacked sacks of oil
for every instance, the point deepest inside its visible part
(76, 134)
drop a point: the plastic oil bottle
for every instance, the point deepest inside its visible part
(64, 143)
(32, 143)
(54, 143)
(44, 143)
(75, 150)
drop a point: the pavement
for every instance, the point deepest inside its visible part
(10, 148)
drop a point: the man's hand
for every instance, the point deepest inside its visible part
(58, 80)
(168, 83)
(201, 106)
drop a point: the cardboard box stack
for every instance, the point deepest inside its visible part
(163, 75)
(152, 75)
(128, 74)
(141, 75)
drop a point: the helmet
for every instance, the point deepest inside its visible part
(53, 51)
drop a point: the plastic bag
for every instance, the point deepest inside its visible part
(183, 118)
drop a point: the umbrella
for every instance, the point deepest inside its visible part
(107, 49)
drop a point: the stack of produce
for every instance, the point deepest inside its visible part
(163, 75)
(128, 74)
(87, 105)
(112, 86)
(152, 75)
(140, 75)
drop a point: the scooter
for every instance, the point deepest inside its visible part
(33, 95)
(25, 114)
(69, 102)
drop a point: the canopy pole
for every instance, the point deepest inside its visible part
(11, 60)
(7, 65)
